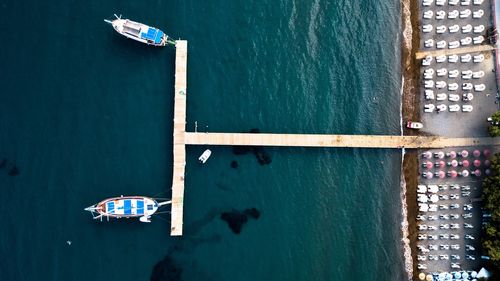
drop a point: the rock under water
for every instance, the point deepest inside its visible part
(166, 270)
(234, 164)
(14, 171)
(262, 156)
(3, 163)
(236, 219)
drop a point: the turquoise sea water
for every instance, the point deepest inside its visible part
(86, 114)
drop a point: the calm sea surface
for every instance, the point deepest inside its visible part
(86, 114)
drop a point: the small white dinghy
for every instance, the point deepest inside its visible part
(204, 157)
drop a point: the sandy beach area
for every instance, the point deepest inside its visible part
(410, 99)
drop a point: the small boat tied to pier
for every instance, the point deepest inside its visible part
(140, 32)
(126, 207)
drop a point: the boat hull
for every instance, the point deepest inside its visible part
(140, 32)
(126, 207)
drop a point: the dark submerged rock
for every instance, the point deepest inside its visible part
(252, 212)
(235, 220)
(3, 163)
(166, 270)
(234, 164)
(14, 171)
(262, 156)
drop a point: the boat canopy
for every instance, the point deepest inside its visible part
(153, 34)
(128, 207)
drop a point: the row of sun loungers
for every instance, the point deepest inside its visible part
(428, 3)
(453, 59)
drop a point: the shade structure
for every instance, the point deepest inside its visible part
(452, 174)
(441, 164)
(464, 153)
(427, 155)
(465, 275)
(487, 163)
(477, 163)
(428, 175)
(486, 153)
(422, 207)
(452, 154)
(439, 154)
(429, 165)
(476, 153)
(434, 198)
(466, 163)
(422, 198)
(441, 174)
(433, 188)
(487, 172)
(421, 276)
(477, 173)
(465, 173)
(473, 274)
(454, 163)
(429, 277)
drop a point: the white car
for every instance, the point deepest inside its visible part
(465, 58)
(441, 58)
(440, 29)
(441, 107)
(478, 14)
(478, 58)
(479, 87)
(465, 86)
(429, 84)
(441, 72)
(429, 108)
(465, 14)
(454, 28)
(441, 44)
(453, 44)
(466, 28)
(478, 74)
(428, 14)
(454, 108)
(453, 58)
(441, 97)
(452, 86)
(427, 28)
(429, 43)
(440, 15)
(453, 73)
(453, 14)
(440, 84)
(465, 2)
(453, 97)
(478, 40)
(478, 2)
(479, 29)
(466, 41)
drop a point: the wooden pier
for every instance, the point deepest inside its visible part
(182, 138)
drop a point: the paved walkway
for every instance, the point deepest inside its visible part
(458, 51)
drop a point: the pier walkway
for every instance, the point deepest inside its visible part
(181, 138)
(458, 51)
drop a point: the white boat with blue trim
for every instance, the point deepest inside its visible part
(140, 32)
(126, 207)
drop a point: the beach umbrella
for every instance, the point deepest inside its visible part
(423, 207)
(429, 277)
(429, 165)
(428, 175)
(452, 174)
(473, 274)
(427, 155)
(441, 164)
(487, 163)
(466, 163)
(457, 275)
(441, 174)
(465, 275)
(454, 163)
(487, 172)
(421, 276)
(423, 198)
(452, 154)
(486, 153)
(434, 198)
(477, 163)
(439, 155)
(465, 173)
(432, 188)
(464, 153)
(476, 153)
(477, 173)
(448, 276)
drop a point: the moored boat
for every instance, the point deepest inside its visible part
(140, 32)
(126, 207)
(204, 157)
